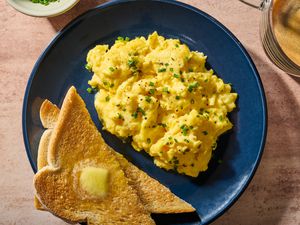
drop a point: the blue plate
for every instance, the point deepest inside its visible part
(62, 65)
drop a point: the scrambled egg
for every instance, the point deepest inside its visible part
(159, 93)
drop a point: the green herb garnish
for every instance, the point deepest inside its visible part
(134, 115)
(92, 90)
(88, 67)
(132, 63)
(165, 89)
(139, 109)
(184, 129)
(148, 99)
(186, 140)
(193, 86)
(43, 2)
(152, 91)
(120, 117)
(162, 124)
(162, 70)
(89, 90)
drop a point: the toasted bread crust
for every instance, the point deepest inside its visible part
(43, 149)
(57, 183)
(42, 156)
(156, 197)
(48, 114)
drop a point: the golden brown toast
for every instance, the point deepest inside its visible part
(58, 185)
(48, 114)
(156, 197)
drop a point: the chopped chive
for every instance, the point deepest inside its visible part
(132, 63)
(151, 83)
(171, 69)
(191, 70)
(176, 75)
(111, 69)
(111, 85)
(107, 98)
(152, 91)
(139, 109)
(127, 39)
(165, 89)
(192, 86)
(186, 140)
(134, 115)
(166, 64)
(148, 99)
(89, 90)
(92, 90)
(221, 118)
(177, 97)
(88, 67)
(176, 45)
(184, 129)
(162, 124)
(182, 79)
(120, 116)
(162, 70)
(120, 38)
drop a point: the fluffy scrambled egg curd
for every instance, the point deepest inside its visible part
(159, 93)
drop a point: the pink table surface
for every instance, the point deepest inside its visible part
(273, 196)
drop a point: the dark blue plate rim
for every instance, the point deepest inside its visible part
(180, 4)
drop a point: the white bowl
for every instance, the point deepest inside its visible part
(36, 9)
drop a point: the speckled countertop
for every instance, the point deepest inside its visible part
(273, 196)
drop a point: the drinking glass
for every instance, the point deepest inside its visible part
(269, 41)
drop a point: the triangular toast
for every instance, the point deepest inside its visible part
(58, 185)
(156, 197)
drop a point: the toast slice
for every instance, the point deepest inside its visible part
(49, 114)
(156, 197)
(63, 186)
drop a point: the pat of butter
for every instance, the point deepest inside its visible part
(94, 181)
